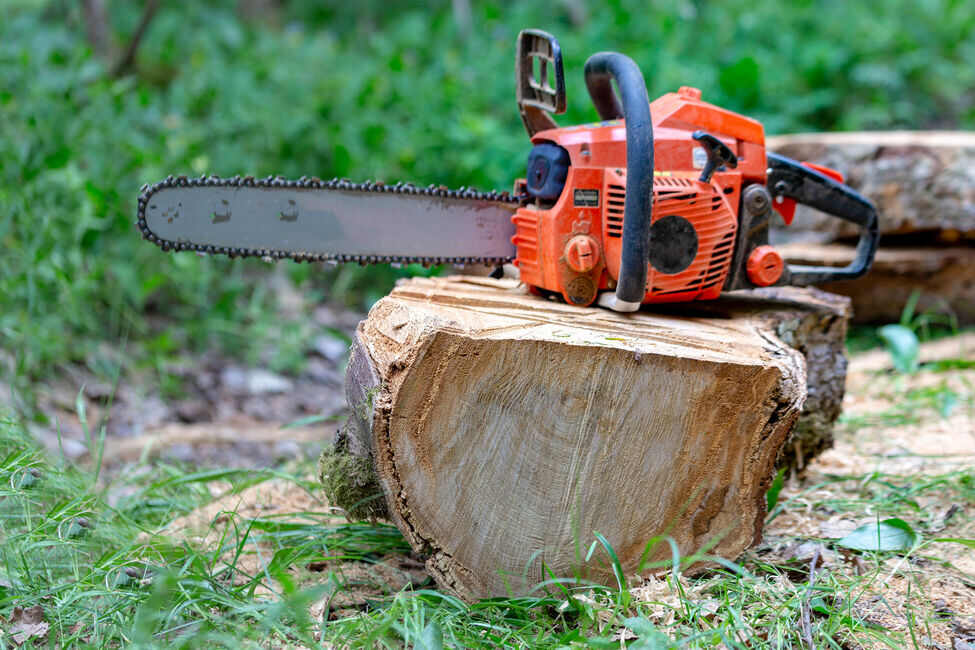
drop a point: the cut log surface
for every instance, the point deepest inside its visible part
(920, 181)
(507, 430)
(944, 276)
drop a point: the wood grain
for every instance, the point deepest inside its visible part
(944, 276)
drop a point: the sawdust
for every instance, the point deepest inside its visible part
(285, 501)
(225, 519)
(661, 599)
(931, 617)
(904, 424)
(353, 585)
(205, 439)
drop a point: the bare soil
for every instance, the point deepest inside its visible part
(226, 414)
(881, 433)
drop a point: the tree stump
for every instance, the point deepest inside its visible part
(506, 430)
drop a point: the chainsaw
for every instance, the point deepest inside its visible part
(667, 201)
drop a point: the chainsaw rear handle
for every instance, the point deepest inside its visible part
(791, 179)
(539, 98)
(633, 105)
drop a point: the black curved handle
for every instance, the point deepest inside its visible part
(601, 69)
(792, 179)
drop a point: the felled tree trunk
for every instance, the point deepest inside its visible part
(944, 278)
(922, 182)
(505, 431)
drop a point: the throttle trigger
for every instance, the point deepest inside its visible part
(787, 207)
(829, 172)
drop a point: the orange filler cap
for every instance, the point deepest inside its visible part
(582, 253)
(764, 266)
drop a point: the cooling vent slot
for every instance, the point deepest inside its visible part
(615, 200)
(716, 269)
(715, 229)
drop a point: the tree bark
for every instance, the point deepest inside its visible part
(267, 12)
(505, 430)
(127, 59)
(943, 276)
(921, 182)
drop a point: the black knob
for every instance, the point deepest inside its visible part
(548, 166)
(718, 152)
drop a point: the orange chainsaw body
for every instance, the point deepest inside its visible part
(573, 247)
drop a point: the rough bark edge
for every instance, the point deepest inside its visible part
(778, 428)
(943, 276)
(440, 564)
(818, 331)
(783, 408)
(347, 468)
(821, 339)
(818, 340)
(919, 181)
(367, 440)
(351, 482)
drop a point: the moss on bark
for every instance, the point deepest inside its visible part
(350, 482)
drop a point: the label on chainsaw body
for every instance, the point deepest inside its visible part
(699, 157)
(585, 198)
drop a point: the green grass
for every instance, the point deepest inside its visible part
(104, 578)
(916, 405)
(393, 93)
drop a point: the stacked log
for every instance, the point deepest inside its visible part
(923, 184)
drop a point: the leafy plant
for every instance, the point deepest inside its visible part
(891, 534)
(930, 322)
(772, 496)
(903, 345)
(382, 92)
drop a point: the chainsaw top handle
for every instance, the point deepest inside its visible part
(633, 105)
(788, 178)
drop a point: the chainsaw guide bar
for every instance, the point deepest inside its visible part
(302, 214)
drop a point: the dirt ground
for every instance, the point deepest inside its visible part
(227, 415)
(933, 445)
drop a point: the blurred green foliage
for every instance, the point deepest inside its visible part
(379, 90)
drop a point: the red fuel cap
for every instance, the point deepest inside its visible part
(764, 266)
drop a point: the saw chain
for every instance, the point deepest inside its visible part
(462, 194)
